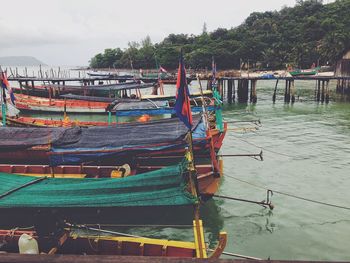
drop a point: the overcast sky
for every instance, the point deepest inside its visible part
(70, 32)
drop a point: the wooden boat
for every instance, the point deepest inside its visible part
(40, 153)
(100, 90)
(141, 159)
(73, 242)
(32, 103)
(164, 188)
(197, 95)
(208, 180)
(305, 72)
(65, 122)
(209, 166)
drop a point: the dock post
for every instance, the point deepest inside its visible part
(21, 86)
(318, 90)
(209, 82)
(229, 91)
(323, 92)
(253, 96)
(233, 90)
(275, 91)
(223, 90)
(293, 91)
(251, 91)
(239, 90)
(327, 91)
(286, 92)
(338, 86)
(243, 90)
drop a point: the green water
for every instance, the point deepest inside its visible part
(306, 153)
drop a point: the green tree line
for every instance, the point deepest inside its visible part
(310, 32)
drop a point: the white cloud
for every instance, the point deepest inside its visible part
(71, 32)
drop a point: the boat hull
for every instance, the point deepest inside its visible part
(32, 103)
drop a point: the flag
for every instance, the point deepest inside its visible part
(6, 86)
(163, 70)
(182, 104)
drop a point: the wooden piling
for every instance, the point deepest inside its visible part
(251, 91)
(292, 91)
(233, 91)
(243, 90)
(21, 86)
(275, 91)
(287, 91)
(318, 96)
(229, 91)
(253, 96)
(327, 91)
(323, 92)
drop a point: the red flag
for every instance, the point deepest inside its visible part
(182, 104)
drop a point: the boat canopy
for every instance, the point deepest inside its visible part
(164, 187)
(158, 111)
(120, 140)
(77, 145)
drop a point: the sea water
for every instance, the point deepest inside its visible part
(306, 150)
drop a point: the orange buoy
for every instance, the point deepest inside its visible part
(144, 118)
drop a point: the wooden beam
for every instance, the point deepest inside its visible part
(17, 258)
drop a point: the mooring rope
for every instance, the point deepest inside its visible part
(139, 225)
(267, 150)
(290, 195)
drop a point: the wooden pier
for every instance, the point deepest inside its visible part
(232, 89)
(246, 88)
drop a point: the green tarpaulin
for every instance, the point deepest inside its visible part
(164, 187)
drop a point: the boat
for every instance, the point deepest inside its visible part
(157, 107)
(103, 242)
(49, 143)
(101, 90)
(32, 103)
(170, 187)
(24, 121)
(103, 74)
(131, 144)
(195, 95)
(305, 72)
(165, 187)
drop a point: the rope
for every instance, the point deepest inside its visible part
(271, 151)
(291, 195)
(126, 225)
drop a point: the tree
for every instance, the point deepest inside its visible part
(303, 34)
(204, 29)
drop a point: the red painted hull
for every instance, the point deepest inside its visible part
(32, 103)
(99, 245)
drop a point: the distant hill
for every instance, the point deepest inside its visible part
(20, 61)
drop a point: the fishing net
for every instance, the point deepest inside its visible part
(164, 187)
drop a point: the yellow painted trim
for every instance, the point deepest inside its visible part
(200, 248)
(79, 176)
(141, 240)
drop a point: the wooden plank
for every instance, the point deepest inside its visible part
(9, 258)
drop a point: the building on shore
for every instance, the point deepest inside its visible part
(343, 66)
